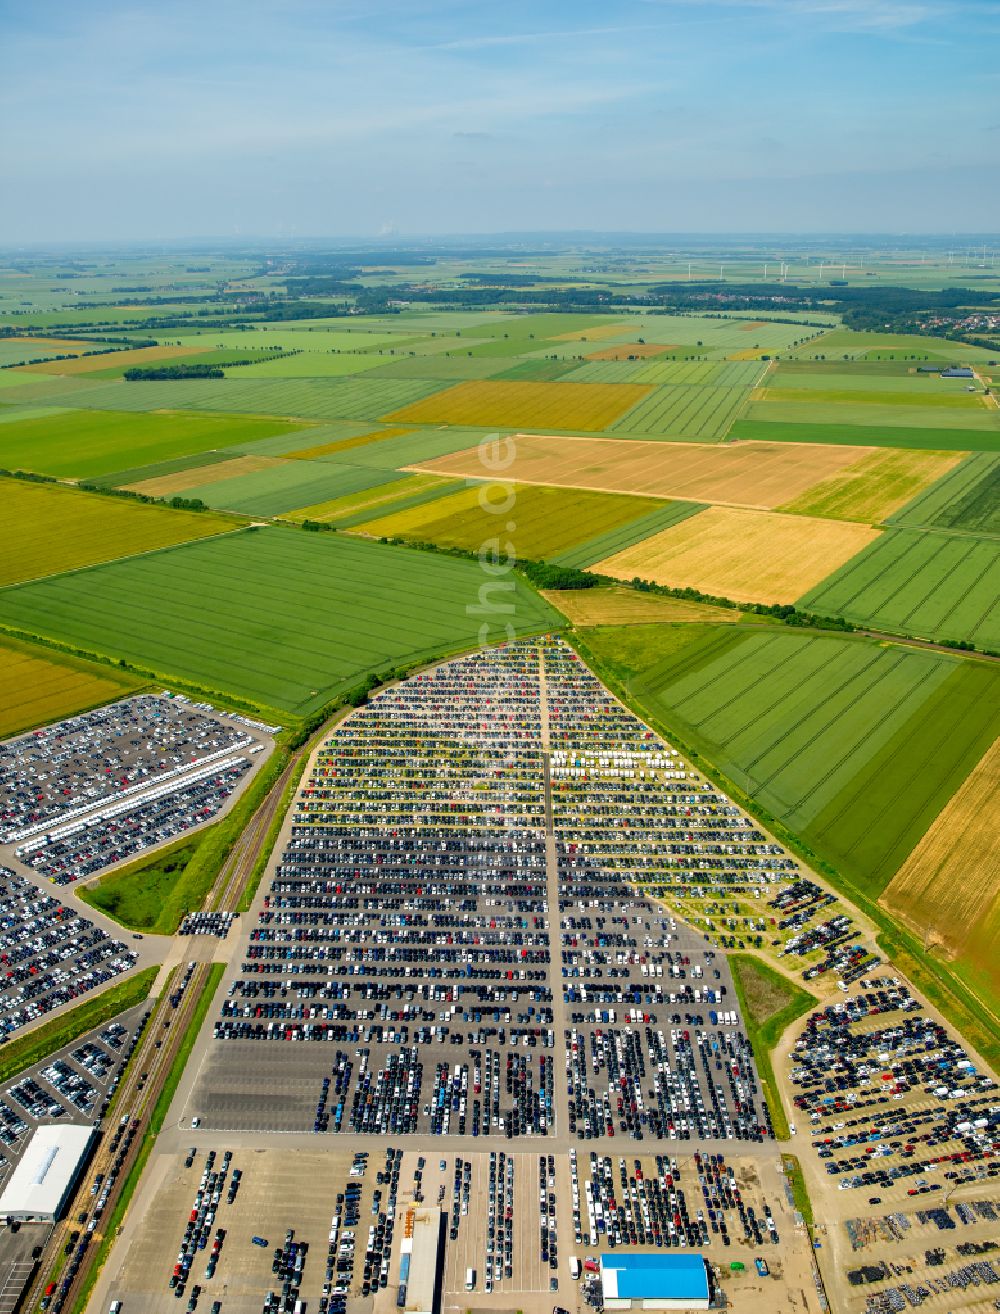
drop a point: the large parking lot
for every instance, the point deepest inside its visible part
(507, 1215)
(84, 794)
(900, 1126)
(407, 972)
(456, 979)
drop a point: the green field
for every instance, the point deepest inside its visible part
(315, 399)
(965, 499)
(851, 343)
(935, 411)
(87, 444)
(49, 529)
(684, 411)
(856, 435)
(292, 484)
(703, 373)
(929, 584)
(854, 745)
(277, 616)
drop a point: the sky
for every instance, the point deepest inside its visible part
(404, 118)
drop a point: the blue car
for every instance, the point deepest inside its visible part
(259, 1241)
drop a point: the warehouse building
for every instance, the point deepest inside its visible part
(654, 1282)
(42, 1182)
(420, 1261)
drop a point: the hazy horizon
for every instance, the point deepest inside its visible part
(350, 121)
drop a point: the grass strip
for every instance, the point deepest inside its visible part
(769, 1003)
(156, 1121)
(67, 1027)
(270, 839)
(797, 1181)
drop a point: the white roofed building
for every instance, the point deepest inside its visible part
(43, 1180)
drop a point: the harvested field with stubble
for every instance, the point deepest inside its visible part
(949, 886)
(750, 556)
(184, 480)
(622, 606)
(758, 475)
(513, 405)
(878, 485)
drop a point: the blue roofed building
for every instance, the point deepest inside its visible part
(651, 1282)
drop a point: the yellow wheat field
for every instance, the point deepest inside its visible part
(509, 405)
(948, 889)
(750, 556)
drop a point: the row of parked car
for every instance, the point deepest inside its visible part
(49, 954)
(58, 773)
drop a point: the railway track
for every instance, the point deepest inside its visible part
(135, 1099)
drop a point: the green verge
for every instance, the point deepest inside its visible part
(797, 1181)
(270, 839)
(136, 895)
(948, 992)
(67, 1027)
(156, 1121)
(769, 1003)
(155, 893)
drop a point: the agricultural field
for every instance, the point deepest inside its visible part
(851, 344)
(91, 443)
(876, 486)
(18, 351)
(949, 887)
(929, 584)
(49, 529)
(281, 618)
(530, 524)
(286, 485)
(741, 474)
(874, 434)
(616, 605)
(310, 399)
(102, 361)
(706, 373)
(195, 476)
(871, 411)
(749, 556)
(966, 499)
(563, 406)
(856, 746)
(38, 686)
(308, 365)
(385, 499)
(685, 411)
(596, 548)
